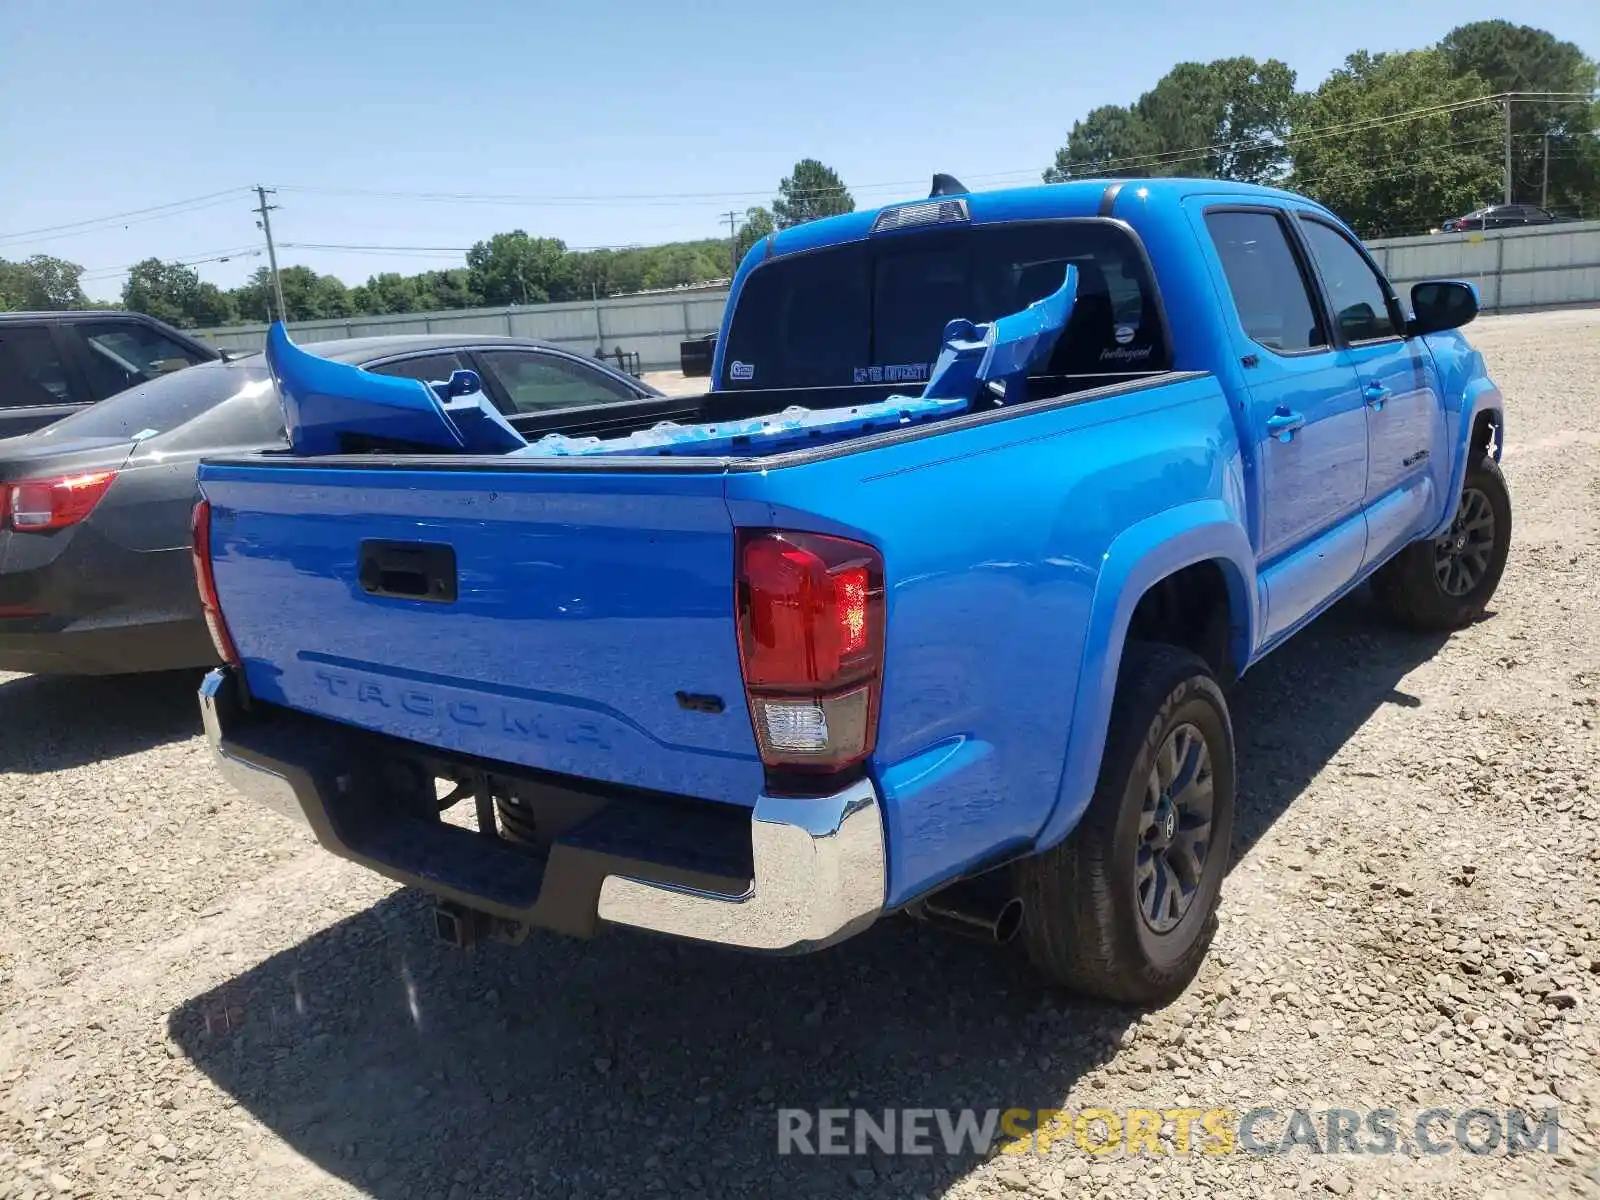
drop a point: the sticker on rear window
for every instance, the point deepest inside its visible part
(1125, 334)
(897, 373)
(741, 370)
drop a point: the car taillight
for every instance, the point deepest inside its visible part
(206, 582)
(40, 505)
(811, 646)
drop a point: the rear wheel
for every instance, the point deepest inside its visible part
(1125, 907)
(1447, 582)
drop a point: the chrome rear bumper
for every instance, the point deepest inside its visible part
(820, 870)
(820, 875)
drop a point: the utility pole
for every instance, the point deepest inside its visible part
(265, 225)
(1508, 147)
(732, 218)
(1544, 184)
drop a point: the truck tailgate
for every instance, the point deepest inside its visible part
(586, 625)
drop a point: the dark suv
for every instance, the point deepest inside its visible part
(1500, 216)
(54, 363)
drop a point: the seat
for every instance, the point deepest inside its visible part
(1092, 328)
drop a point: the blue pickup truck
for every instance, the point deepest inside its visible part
(968, 664)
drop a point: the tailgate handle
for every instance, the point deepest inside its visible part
(409, 570)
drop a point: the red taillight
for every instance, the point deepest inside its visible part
(40, 505)
(205, 581)
(811, 646)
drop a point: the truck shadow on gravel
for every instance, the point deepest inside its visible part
(53, 722)
(565, 1068)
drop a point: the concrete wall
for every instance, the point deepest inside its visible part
(1516, 268)
(650, 326)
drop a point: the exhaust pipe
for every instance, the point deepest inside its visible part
(973, 908)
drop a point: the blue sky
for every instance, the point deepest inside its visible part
(700, 105)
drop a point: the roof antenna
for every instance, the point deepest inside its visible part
(947, 185)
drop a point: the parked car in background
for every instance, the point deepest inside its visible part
(53, 364)
(95, 575)
(1501, 216)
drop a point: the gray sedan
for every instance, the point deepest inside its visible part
(95, 575)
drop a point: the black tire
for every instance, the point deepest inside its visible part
(1084, 924)
(1421, 591)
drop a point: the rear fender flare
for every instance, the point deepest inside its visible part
(1139, 557)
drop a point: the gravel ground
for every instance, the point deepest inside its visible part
(676, 383)
(196, 1001)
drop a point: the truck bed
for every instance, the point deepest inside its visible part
(584, 619)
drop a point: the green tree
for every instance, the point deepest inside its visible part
(1112, 140)
(325, 295)
(1520, 58)
(161, 290)
(626, 270)
(1389, 176)
(307, 295)
(681, 264)
(813, 191)
(1225, 119)
(437, 290)
(174, 293)
(513, 268)
(212, 306)
(40, 282)
(252, 300)
(388, 292)
(757, 225)
(591, 272)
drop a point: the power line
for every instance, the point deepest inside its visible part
(1291, 139)
(426, 251)
(1167, 157)
(113, 217)
(1158, 158)
(192, 260)
(24, 239)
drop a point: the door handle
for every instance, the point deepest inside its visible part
(409, 570)
(1283, 423)
(1376, 394)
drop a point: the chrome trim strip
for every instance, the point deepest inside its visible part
(265, 787)
(821, 874)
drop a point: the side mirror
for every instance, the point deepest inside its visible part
(1441, 304)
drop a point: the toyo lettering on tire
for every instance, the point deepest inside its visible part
(1125, 907)
(1447, 582)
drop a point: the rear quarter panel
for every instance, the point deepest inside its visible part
(994, 539)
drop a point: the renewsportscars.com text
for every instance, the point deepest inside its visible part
(1152, 1131)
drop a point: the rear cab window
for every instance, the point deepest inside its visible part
(1269, 286)
(874, 311)
(163, 404)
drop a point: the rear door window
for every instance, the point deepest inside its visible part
(875, 311)
(120, 354)
(32, 373)
(429, 368)
(536, 382)
(1266, 282)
